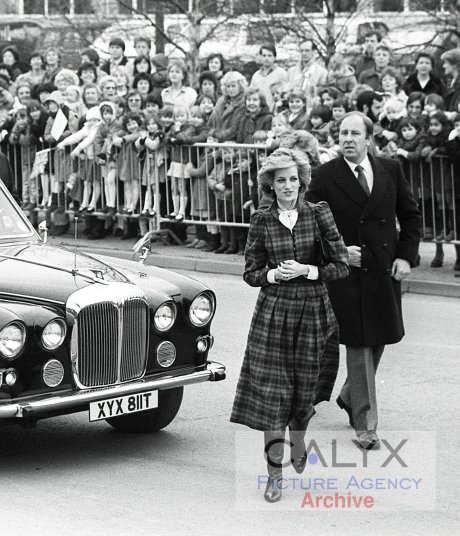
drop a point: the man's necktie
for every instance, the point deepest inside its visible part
(362, 179)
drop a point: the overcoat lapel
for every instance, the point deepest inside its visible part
(381, 181)
(346, 180)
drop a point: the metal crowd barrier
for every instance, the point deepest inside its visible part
(207, 184)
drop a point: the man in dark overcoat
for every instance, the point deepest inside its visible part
(366, 194)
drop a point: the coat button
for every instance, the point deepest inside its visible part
(363, 246)
(384, 246)
(365, 270)
(383, 221)
(361, 222)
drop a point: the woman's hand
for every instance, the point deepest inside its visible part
(291, 269)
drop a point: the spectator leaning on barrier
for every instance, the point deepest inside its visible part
(268, 74)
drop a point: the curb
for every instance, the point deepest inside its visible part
(194, 264)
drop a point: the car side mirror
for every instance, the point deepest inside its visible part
(143, 245)
(43, 231)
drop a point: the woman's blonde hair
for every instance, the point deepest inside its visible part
(283, 158)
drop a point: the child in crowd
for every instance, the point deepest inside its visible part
(319, 118)
(438, 132)
(130, 173)
(280, 125)
(38, 117)
(25, 152)
(297, 110)
(73, 100)
(409, 146)
(106, 155)
(433, 103)
(339, 108)
(87, 171)
(453, 152)
(206, 104)
(59, 164)
(178, 171)
(394, 110)
(148, 146)
(279, 98)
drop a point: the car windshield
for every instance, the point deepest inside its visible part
(13, 223)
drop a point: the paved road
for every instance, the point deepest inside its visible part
(70, 477)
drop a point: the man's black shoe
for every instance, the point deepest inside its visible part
(347, 408)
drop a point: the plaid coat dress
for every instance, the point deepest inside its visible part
(292, 352)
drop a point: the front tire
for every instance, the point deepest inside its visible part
(151, 420)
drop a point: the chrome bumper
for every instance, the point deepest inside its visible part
(30, 408)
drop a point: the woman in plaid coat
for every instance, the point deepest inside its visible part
(292, 353)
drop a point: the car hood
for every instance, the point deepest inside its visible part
(47, 272)
(50, 273)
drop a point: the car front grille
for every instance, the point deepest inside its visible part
(109, 339)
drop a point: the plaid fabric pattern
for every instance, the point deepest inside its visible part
(292, 353)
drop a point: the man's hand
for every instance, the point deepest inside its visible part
(400, 269)
(354, 256)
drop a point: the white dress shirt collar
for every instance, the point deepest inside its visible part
(367, 168)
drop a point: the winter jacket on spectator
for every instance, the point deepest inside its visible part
(103, 140)
(249, 124)
(413, 147)
(370, 77)
(344, 82)
(434, 85)
(178, 137)
(226, 117)
(363, 63)
(452, 96)
(108, 64)
(298, 122)
(312, 76)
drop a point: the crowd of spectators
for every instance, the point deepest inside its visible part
(119, 126)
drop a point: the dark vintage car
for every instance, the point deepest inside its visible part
(77, 333)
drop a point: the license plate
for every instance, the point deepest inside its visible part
(122, 405)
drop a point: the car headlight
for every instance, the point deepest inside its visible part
(12, 340)
(201, 310)
(165, 316)
(53, 334)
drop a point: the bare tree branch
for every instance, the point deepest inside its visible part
(152, 23)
